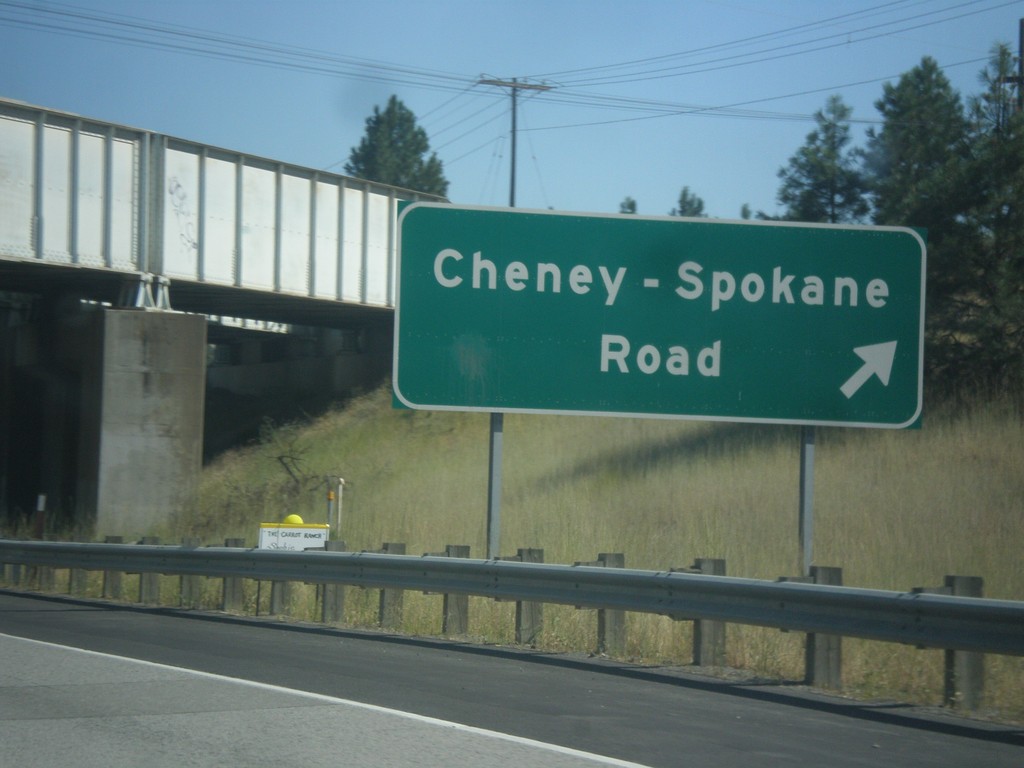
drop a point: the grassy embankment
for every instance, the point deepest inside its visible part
(893, 509)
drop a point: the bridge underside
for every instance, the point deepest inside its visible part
(104, 285)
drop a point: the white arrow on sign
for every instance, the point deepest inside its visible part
(877, 362)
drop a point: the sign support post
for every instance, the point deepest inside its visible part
(806, 499)
(494, 486)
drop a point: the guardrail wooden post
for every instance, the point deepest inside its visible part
(390, 613)
(529, 615)
(709, 636)
(280, 594)
(149, 583)
(964, 670)
(333, 608)
(113, 581)
(190, 588)
(455, 618)
(14, 571)
(823, 653)
(45, 578)
(78, 579)
(232, 596)
(78, 582)
(611, 623)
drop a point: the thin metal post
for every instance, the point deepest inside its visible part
(806, 500)
(335, 490)
(494, 486)
(512, 175)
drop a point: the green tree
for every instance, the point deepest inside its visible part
(913, 164)
(924, 126)
(823, 181)
(992, 304)
(689, 205)
(394, 151)
(628, 205)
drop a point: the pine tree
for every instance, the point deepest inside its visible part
(394, 151)
(994, 183)
(823, 182)
(689, 205)
(915, 165)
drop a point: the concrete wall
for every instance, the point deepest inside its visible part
(148, 418)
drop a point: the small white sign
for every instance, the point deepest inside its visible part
(293, 537)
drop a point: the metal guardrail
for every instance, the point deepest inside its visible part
(919, 619)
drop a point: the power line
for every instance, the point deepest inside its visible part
(64, 19)
(785, 51)
(734, 110)
(718, 46)
(69, 20)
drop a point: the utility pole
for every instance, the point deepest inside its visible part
(1018, 79)
(514, 87)
(496, 448)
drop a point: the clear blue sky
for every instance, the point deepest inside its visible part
(647, 96)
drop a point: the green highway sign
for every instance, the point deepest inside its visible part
(508, 310)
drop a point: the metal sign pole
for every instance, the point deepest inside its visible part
(806, 499)
(494, 487)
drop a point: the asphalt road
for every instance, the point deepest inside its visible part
(225, 691)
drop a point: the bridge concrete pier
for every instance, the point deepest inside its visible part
(147, 419)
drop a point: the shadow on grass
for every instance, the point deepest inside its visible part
(716, 441)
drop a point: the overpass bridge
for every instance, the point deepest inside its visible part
(134, 267)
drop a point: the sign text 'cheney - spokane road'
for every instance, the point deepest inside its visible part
(511, 310)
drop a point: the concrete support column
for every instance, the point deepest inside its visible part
(147, 425)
